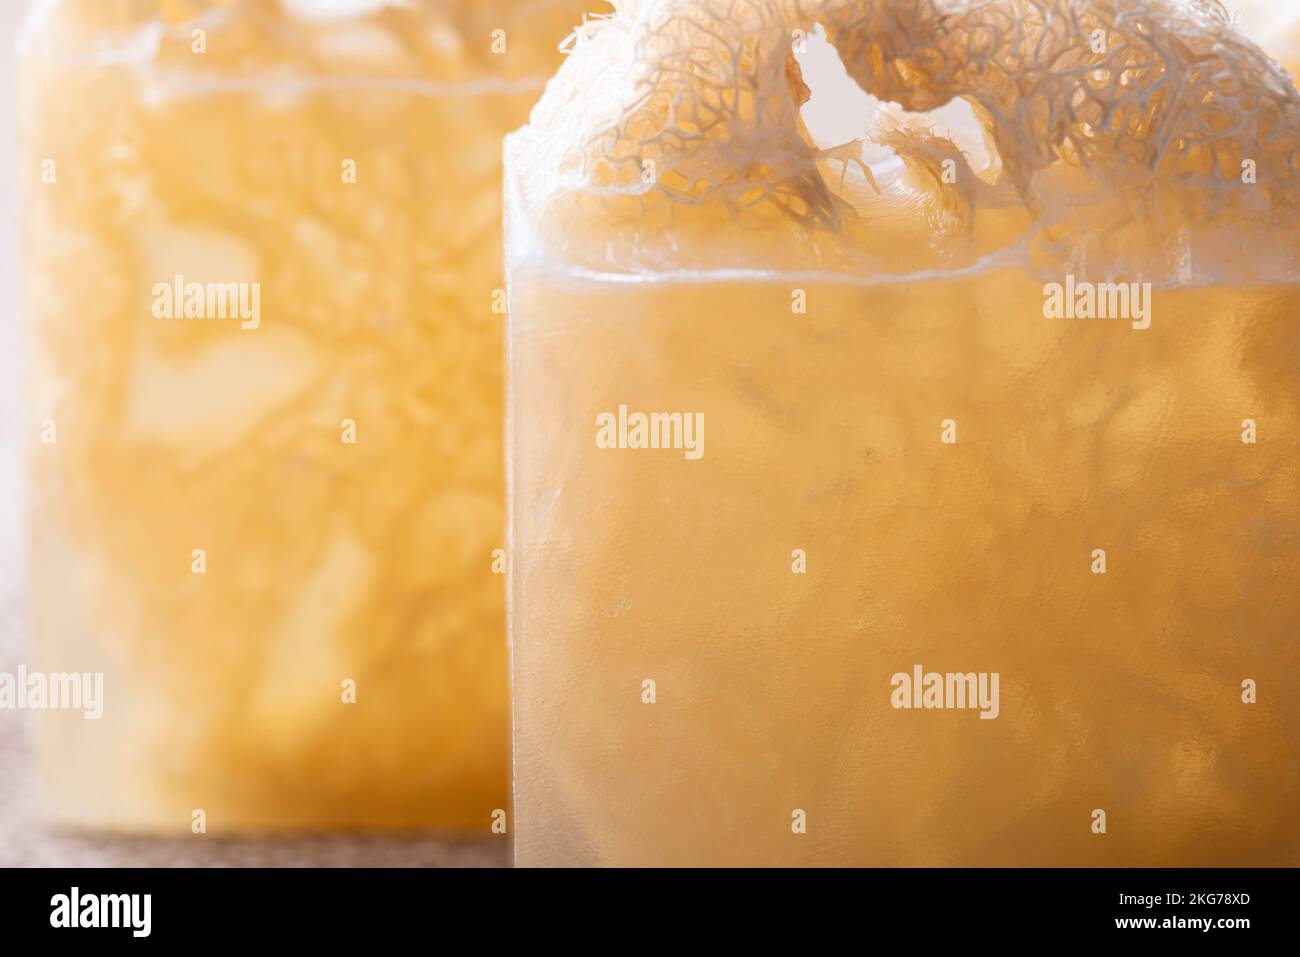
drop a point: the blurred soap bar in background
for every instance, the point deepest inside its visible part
(264, 333)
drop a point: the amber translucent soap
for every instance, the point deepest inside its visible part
(264, 325)
(917, 493)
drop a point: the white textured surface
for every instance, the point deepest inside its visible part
(15, 792)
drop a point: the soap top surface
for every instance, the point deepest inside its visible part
(1145, 140)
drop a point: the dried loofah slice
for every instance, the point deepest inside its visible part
(1144, 114)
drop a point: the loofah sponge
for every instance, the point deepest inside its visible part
(1145, 114)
